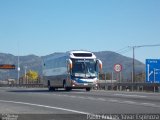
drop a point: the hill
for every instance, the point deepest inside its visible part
(109, 59)
(33, 62)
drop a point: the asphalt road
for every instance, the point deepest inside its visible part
(38, 103)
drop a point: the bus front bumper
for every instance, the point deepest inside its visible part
(84, 85)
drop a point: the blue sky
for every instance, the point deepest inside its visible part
(42, 27)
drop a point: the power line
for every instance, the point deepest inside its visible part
(123, 50)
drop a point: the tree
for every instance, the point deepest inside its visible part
(32, 75)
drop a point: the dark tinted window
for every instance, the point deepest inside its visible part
(82, 54)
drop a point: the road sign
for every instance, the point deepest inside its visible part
(153, 70)
(117, 67)
(7, 66)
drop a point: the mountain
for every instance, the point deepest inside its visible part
(33, 62)
(30, 62)
(109, 59)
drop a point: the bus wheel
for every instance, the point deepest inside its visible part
(88, 89)
(68, 88)
(51, 88)
(65, 86)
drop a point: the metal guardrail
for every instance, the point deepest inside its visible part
(133, 84)
(23, 85)
(148, 87)
(153, 87)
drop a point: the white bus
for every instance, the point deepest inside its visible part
(71, 70)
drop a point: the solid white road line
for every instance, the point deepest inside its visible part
(125, 95)
(50, 107)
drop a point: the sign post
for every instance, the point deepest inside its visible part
(118, 69)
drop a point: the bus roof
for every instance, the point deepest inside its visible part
(82, 54)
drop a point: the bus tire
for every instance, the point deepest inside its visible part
(50, 88)
(65, 87)
(68, 88)
(64, 83)
(88, 89)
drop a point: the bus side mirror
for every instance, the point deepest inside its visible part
(69, 65)
(99, 63)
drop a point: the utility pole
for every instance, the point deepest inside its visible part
(18, 66)
(133, 62)
(18, 70)
(133, 68)
(25, 72)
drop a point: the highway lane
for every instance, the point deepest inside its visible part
(40, 101)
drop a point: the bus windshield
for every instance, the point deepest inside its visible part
(84, 68)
